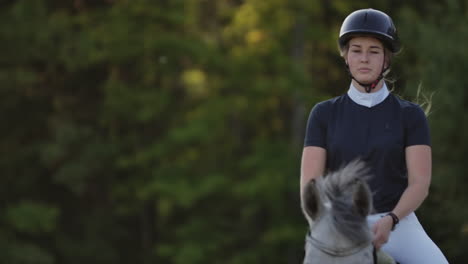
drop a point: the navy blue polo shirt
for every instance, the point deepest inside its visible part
(377, 135)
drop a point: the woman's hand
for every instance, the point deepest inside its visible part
(382, 230)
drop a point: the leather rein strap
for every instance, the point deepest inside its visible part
(340, 252)
(374, 255)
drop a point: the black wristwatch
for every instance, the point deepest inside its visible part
(394, 218)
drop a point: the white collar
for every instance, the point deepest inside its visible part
(368, 99)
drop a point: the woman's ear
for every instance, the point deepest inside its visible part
(387, 58)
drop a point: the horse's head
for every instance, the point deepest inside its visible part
(336, 207)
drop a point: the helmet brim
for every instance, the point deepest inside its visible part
(388, 41)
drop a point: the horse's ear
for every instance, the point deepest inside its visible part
(310, 200)
(362, 199)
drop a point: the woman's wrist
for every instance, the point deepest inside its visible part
(395, 219)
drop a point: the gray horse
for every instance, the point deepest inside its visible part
(336, 207)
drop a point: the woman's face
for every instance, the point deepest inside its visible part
(365, 58)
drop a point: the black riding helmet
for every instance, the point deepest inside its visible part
(370, 22)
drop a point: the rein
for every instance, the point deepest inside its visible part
(340, 252)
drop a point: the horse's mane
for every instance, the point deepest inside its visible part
(340, 188)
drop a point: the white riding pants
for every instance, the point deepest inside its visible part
(409, 243)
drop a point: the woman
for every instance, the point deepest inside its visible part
(390, 134)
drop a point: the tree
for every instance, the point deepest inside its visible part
(171, 131)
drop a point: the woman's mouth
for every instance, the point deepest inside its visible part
(364, 70)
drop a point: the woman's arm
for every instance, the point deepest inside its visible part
(419, 165)
(312, 164)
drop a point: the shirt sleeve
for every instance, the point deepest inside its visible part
(417, 128)
(316, 129)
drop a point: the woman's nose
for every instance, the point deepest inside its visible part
(364, 57)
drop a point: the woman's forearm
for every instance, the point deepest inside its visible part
(312, 164)
(411, 199)
(419, 164)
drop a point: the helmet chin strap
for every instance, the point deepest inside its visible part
(370, 86)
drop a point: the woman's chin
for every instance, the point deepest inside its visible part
(365, 79)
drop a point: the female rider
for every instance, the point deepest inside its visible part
(390, 134)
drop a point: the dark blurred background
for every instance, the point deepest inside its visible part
(170, 131)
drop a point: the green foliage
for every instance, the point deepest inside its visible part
(25, 254)
(32, 218)
(171, 131)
